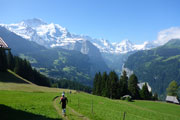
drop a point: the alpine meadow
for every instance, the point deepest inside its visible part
(89, 60)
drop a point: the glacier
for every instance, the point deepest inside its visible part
(54, 35)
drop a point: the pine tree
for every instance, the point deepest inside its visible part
(144, 93)
(133, 87)
(104, 84)
(155, 96)
(95, 84)
(17, 65)
(98, 85)
(10, 61)
(123, 84)
(113, 84)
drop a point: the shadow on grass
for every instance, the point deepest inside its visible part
(8, 113)
(8, 77)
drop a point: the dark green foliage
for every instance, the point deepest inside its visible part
(105, 85)
(10, 60)
(98, 84)
(109, 85)
(157, 66)
(172, 89)
(3, 60)
(95, 84)
(155, 96)
(133, 87)
(145, 94)
(113, 79)
(124, 84)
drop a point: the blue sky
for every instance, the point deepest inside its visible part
(115, 20)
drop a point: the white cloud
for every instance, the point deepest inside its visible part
(165, 35)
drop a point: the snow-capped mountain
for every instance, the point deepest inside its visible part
(54, 35)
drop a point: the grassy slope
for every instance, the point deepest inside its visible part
(106, 109)
(20, 99)
(27, 101)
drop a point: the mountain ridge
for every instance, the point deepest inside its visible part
(54, 35)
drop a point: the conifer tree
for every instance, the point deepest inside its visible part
(144, 93)
(10, 60)
(104, 84)
(95, 84)
(17, 65)
(133, 87)
(113, 84)
(98, 85)
(123, 84)
(155, 96)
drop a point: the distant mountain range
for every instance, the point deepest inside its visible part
(53, 35)
(58, 62)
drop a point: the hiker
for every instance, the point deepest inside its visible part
(63, 101)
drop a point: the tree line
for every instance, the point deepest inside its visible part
(109, 85)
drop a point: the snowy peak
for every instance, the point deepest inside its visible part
(123, 47)
(54, 35)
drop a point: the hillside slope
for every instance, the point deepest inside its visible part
(13, 82)
(158, 66)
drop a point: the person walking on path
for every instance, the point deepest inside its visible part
(63, 100)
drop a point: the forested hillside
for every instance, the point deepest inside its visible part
(21, 67)
(158, 66)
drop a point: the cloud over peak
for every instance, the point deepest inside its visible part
(165, 35)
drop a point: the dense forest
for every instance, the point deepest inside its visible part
(109, 85)
(23, 68)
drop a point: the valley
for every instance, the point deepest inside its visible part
(89, 60)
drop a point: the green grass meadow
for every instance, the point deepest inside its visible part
(20, 100)
(27, 105)
(107, 109)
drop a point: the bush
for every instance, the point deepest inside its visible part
(128, 99)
